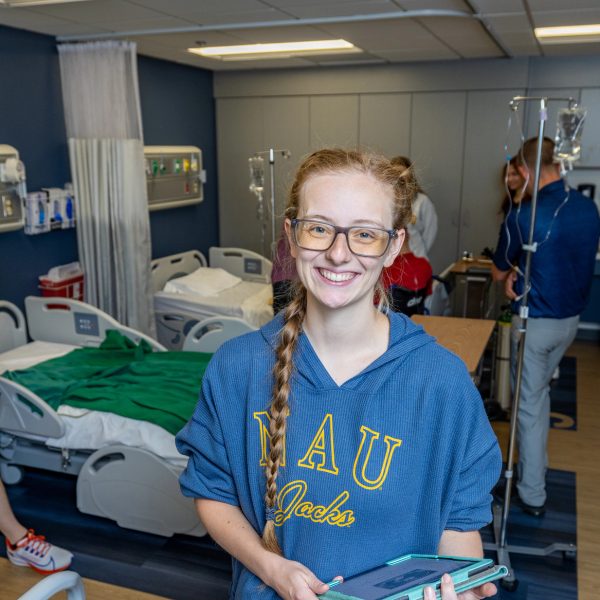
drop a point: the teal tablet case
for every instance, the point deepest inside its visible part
(476, 572)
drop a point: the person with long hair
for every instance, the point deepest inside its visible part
(514, 186)
(340, 435)
(423, 225)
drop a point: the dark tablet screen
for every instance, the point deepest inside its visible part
(387, 580)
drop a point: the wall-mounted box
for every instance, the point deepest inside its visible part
(12, 189)
(174, 176)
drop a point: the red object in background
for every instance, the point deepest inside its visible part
(71, 287)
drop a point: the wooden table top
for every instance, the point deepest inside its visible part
(464, 266)
(467, 338)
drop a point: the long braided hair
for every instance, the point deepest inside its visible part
(327, 161)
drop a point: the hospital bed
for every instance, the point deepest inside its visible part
(131, 478)
(244, 306)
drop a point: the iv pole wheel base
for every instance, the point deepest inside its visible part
(510, 585)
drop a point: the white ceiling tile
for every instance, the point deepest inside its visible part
(183, 41)
(410, 55)
(544, 5)
(521, 43)
(280, 34)
(97, 10)
(207, 6)
(384, 35)
(509, 23)
(266, 15)
(124, 25)
(44, 24)
(466, 37)
(432, 4)
(574, 50)
(342, 59)
(286, 4)
(566, 17)
(494, 7)
(326, 9)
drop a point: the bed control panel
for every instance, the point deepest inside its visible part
(174, 176)
(253, 266)
(86, 324)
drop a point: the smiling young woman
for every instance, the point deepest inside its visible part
(339, 424)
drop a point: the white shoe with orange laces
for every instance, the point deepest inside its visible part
(35, 552)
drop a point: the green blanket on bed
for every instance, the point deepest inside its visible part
(123, 378)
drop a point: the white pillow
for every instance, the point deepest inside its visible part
(205, 281)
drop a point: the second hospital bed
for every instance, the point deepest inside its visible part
(126, 470)
(243, 306)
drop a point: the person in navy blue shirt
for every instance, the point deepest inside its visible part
(340, 435)
(566, 233)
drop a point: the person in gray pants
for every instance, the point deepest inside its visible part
(566, 233)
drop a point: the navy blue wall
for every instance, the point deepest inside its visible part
(32, 121)
(177, 109)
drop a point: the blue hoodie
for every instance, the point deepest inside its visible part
(375, 468)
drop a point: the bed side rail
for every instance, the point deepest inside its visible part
(176, 265)
(22, 412)
(13, 330)
(208, 334)
(248, 265)
(67, 321)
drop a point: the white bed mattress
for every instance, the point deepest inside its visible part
(247, 300)
(89, 429)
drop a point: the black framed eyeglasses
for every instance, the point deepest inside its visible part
(362, 241)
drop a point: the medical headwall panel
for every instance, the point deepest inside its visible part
(12, 189)
(384, 123)
(484, 158)
(334, 121)
(174, 176)
(590, 142)
(437, 138)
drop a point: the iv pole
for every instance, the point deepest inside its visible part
(502, 549)
(271, 154)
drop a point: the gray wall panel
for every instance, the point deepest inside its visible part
(240, 134)
(419, 77)
(384, 123)
(286, 126)
(333, 121)
(438, 124)
(482, 190)
(590, 150)
(564, 72)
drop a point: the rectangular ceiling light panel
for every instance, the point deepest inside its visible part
(568, 34)
(275, 50)
(22, 3)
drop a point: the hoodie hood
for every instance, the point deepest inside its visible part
(406, 337)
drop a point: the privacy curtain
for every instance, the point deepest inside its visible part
(104, 127)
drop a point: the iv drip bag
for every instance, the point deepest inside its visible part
(257, 174)
(568, 134)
